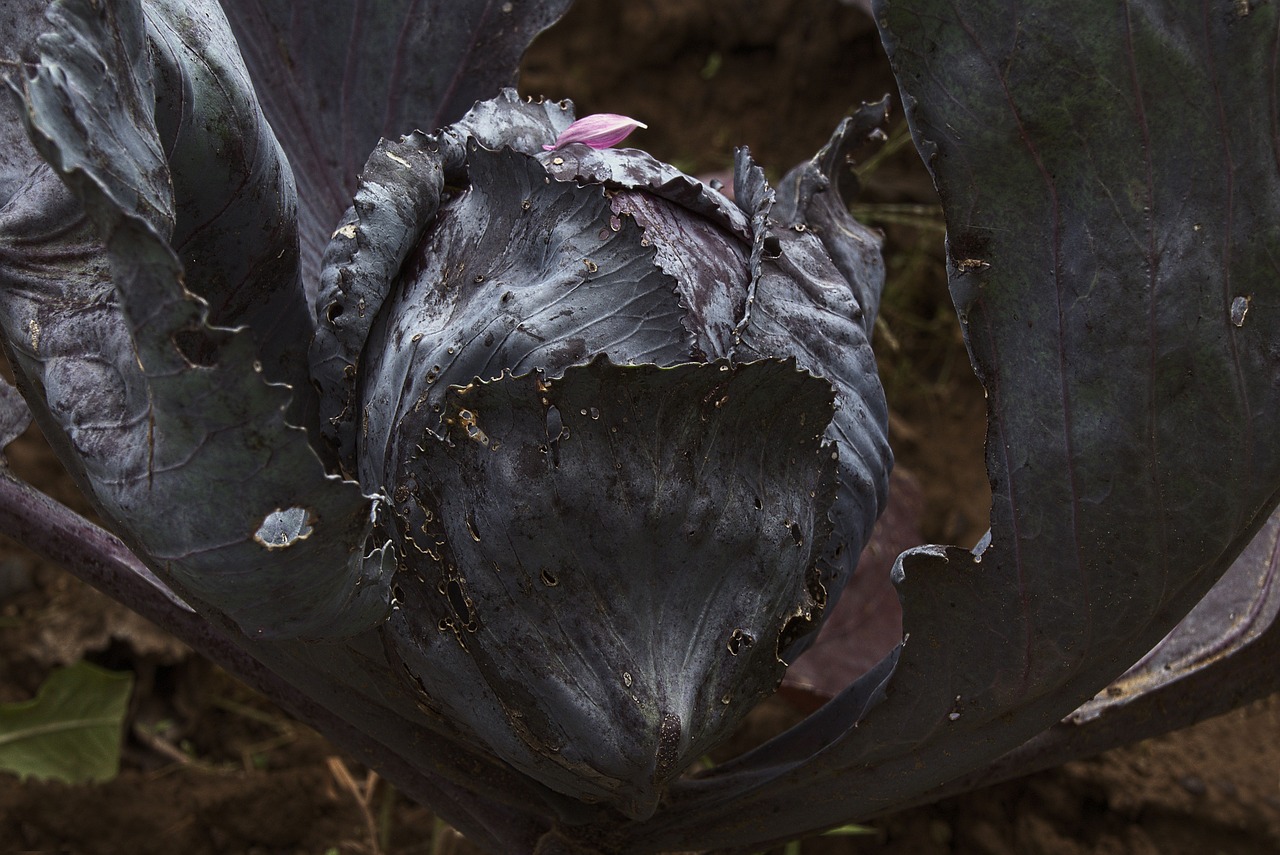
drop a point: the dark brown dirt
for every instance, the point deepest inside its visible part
(211, 768)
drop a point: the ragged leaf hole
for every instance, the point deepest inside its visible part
(283, 528)
(458, 601)
(796, 627)
(197, 347)
(739, 640)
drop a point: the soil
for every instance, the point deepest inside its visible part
(210, 767)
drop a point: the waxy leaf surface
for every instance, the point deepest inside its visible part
(626, 600)
(336, 77)
(155, 410)
(1111, 185)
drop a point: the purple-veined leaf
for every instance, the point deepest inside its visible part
(816, 276)
(155, 410)
(1109, 174)
(335, 77)
(674, 210)
(518, 274)
(235, 204)
(157, 425)
(406, 754)
(629, 597)
(22, 22)
(15, 415)
(866, 624)
(1221, 656)
(398, 195)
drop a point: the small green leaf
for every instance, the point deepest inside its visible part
(71, 730)
(850, 830)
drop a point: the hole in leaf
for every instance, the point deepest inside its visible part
(281, 529)
(796, 627)
(549, 580)
(738, 640)
(457, 600)
(198, 347)
(817, 590)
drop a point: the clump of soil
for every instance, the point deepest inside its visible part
(212, 768)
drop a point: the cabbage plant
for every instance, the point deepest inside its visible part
(520, 465)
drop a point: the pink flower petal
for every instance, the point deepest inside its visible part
(600, 130)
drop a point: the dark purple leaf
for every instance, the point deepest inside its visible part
(398, 195)
(816, 276)
(335, 77)
(676, 212)
(653, 551)
(14, 414)
(234, 202)
(156, 411)
(516, 274)
(1110, 179)
(21, 22)
(866, 625)
(411, 764)
(1220, 657)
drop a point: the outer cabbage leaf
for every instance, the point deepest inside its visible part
(235, 205)
(478, 795)
(15, 415)
(153, 444)
(153, 408)
(22, 22)
(866, 625)
(1219, 658)
(1113, 230)
(336, 77)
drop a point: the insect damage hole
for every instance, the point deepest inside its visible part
(1240, 309)
(463, 609)
(738, 640)
(199, 348)
(283, 528)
